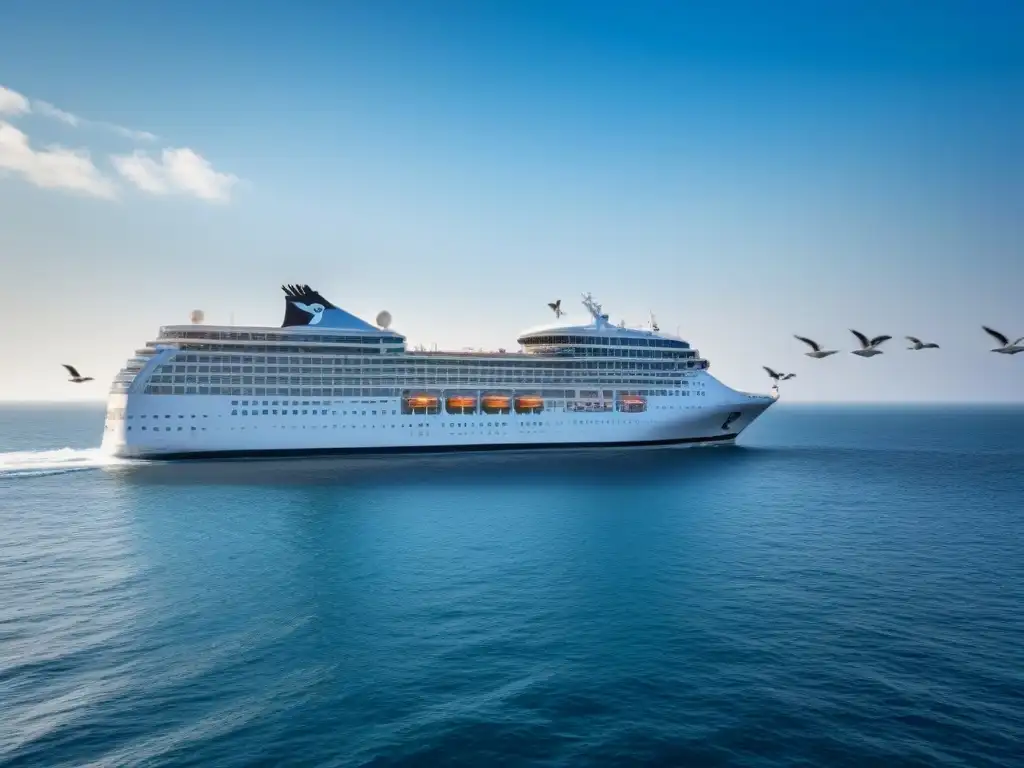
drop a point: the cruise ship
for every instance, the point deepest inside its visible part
(327, 382)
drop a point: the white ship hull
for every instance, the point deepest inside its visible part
(142, 426)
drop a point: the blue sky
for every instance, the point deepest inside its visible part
(745, 170)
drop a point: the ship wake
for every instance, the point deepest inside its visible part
(25, 464)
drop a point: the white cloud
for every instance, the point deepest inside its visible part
(178, 171)
(12, 102)
(47, 109)
(52, 168)
(130, 133)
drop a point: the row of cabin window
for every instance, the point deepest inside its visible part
(163, 376)
(323, 411)
(406, 361)
(291, 349)
(608, 341)
(170, 429)
(572, 352)
(366, 371)
(631, 353)
(170, 333)
(258, 391)
(407, 366)
(297, 381)
(302, 412)
(166, 416)
(355, 376)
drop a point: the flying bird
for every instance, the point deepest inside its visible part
(556, 307)
(76, 377)
(816, 350)
(778, 376)
(916, 343)
(1007, 348)
(868, 347)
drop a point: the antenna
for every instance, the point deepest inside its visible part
(594, 309)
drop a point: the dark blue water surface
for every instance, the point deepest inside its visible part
(845, 589)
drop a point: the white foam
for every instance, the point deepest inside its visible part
(53, 462)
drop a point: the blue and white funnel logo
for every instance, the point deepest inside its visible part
(305, 307)
(315, 310)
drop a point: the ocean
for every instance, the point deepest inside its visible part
(843, 588)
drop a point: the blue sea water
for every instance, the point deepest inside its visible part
(843, 589)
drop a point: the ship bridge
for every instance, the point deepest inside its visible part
(601, 338)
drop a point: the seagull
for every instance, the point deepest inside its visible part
(1007, 348)
(868, 347)
(556, 307)
(779, 376)
(76, 377)
(817, 352)
(916, 343)
(316, 310)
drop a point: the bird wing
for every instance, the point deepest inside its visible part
(912, 339)
(789, 376)
(553, 305)
(71, 370)
(304, 307)
(864, 341)
(996, 335)
(812, 344)
(771, 373)
(879, 339)
(1018, 341)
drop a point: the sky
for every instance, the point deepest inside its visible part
(744, 170)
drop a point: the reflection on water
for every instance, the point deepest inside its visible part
(605, 466)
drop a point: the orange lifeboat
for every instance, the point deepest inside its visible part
(460, 403)
(632, 403)
(496, 402)
(529, 403)
(421, 401)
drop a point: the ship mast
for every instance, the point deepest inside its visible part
(595, 310)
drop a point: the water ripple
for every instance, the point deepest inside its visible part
(818, 598)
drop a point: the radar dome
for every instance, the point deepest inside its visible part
(197, 316)
(384, 319)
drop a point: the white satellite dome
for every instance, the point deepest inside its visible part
(197, 316)
(384, 319)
